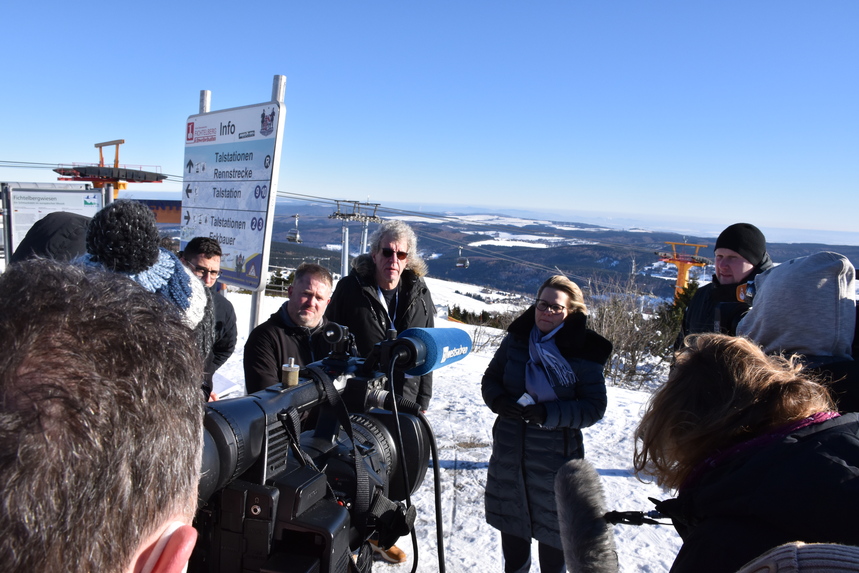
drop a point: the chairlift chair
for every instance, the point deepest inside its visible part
(293, 236)
(461, 262)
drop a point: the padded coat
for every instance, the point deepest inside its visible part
(520, 491)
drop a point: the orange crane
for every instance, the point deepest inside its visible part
(683, 262)
(101, 175)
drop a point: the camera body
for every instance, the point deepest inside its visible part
(275, 499)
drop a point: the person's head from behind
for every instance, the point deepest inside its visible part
(393, 247)
(557, 298)
(309, 294)
(806, 306)
(722, 391)
(100, 423)
(203, 257)
(739, 249)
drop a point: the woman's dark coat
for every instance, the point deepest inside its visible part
(802, 487)
(520, 492)
(355, 304)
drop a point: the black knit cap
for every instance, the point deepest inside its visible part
(123, 237)
(746, 239)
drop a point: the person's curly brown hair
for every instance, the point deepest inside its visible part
(722, 391)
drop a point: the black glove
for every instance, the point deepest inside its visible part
(506, 407)
(535, 413)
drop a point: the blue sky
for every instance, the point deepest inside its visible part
(699, 112)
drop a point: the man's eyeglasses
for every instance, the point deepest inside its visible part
(544, 306)
(203, 272)
(388, 253)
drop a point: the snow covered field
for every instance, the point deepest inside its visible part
(462, 426)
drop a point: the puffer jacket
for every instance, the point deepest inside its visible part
(520, 494)
(802, 485)
(355, 304)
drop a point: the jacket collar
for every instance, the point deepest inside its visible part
(574, 340)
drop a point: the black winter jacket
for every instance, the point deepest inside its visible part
(520, 493)
(272, 343)
(700, 315)
(802, 487)
(225, 332)
(355, 304)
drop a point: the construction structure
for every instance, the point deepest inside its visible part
(102, 175)
(684, 261)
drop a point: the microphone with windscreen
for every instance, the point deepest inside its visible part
(419, 351)
(587, 537)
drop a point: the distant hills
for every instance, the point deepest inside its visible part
(513, 254)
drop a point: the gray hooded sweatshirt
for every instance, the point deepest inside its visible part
(805, 306)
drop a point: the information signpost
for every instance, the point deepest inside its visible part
(26, 203)
(232, 158)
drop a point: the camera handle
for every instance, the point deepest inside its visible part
(362, 481)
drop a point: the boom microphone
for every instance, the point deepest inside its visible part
(431, 348)
(587, 537)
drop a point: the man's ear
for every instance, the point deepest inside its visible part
(289, 290)
(178, 551)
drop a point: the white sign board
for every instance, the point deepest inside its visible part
(229, 190)
(27, 203)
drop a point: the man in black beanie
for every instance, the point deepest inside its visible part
(741, 253)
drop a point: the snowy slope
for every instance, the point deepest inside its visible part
(463, 425)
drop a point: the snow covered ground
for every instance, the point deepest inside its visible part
(462, 426)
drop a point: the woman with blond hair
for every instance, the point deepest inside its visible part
(756, 451)
(545, 382)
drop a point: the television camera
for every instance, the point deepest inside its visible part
(274, 499)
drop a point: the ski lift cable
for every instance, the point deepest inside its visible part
(462, 221)
(523, 262)
(492, 254)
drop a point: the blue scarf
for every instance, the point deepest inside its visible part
(546, 368)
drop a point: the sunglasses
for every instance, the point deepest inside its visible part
(388, 253)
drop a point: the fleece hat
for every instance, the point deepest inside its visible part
(804, 306)
(746, 240)
(123, 237)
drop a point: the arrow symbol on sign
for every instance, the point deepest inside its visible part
(188, 192)
(187, 217)
(190, 165)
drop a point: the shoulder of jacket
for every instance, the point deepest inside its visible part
(575, 340)
(522, 324)
(596, 348)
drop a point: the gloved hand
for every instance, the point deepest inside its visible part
(506, 407)
(535, 413)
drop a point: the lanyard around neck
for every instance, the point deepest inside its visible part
(391, 315)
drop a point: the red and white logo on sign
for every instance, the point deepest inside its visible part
(189, 131)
